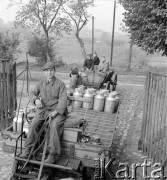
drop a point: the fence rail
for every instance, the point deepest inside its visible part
(153, 141)
(7, 92)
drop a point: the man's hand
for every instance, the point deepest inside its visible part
(38, 103)
(53, 114)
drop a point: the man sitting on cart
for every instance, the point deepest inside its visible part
(77, 79)
(50, 99)
(111, 78)
(88, 63)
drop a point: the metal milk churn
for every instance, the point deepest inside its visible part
(117, 101)
(69, 93)
(99, 101)
(26, 127)
(17, 121)
(89, 94)
(77, 93)
(110, 103)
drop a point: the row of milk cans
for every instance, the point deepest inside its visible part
(101, 100)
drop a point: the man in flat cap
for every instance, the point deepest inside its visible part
(50, 99)
(77, 79)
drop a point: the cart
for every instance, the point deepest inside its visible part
(80, 158)
(100, 80)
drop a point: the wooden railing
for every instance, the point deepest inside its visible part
(153, 141)
(7, 92)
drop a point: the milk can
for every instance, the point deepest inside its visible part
(99, 101)
(117, 102)
(17, 121)
(115, 93)
(26, 127)
(89, 95)
(77, 93)
(69, 93)
(110, 103)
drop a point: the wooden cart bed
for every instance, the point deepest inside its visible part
(98, 123)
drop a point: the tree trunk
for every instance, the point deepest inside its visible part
(130, 56)
(81, 45)
(48, 58)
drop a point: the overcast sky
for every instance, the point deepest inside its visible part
(103, 13)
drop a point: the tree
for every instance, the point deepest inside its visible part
(37, 48)
(9, 42)
(147, 23)
(77, 10)
(42, 14)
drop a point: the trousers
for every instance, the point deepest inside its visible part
(55, 131)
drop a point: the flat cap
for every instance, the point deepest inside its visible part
(48, 65)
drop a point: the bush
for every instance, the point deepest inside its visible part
(38, 48)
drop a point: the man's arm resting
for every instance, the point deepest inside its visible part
(62, 104)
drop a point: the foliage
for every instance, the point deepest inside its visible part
(147, 22)
(37, 47)
(77, 10)
(46, 15)
(9, 42)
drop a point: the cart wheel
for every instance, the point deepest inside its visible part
(15, 166)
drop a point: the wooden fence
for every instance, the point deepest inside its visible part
(153, 141)
(7, 92)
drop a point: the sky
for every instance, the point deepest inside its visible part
(103, 13)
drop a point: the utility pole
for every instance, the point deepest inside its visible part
(92, 35)
(27, 72)
(130, 56)
(112, 40)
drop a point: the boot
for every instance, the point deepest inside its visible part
(25, 153)
(51, 159)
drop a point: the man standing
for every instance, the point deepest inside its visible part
(96, 61)
(50, 98)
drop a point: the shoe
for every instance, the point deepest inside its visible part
(25, 154)
(51, 159)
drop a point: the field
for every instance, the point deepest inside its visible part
(70, 52)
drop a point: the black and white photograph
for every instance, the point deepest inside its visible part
(83, 89)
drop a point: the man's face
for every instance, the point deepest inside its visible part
(50, 73)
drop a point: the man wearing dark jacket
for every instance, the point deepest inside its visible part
(96, 61)
(88, 63)
(50, 99)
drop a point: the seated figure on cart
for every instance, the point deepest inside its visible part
(50, 99)
(88, 63)
(111, 77)
(77, 79)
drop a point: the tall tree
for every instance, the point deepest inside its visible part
(77, 10)
(147, 23)
(46, 15)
